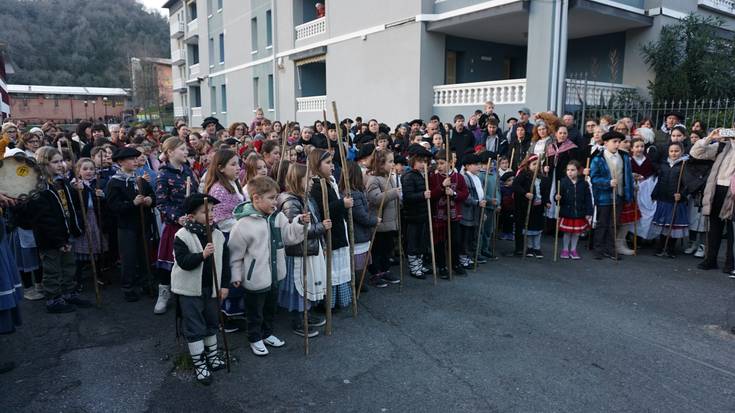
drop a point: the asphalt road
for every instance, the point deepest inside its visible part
(642, 335)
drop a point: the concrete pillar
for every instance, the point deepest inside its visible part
(547, 54)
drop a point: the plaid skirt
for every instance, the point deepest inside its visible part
(99, 241)
(166, 246)
(341, 295)
(629, 213)
(573, 225)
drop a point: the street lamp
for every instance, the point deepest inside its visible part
(86, 114)
(94, 112)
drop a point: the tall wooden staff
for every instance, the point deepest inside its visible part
(348, 189)
(591, 230)
(87, 233)
(496, 211)
(530, 203)
(676, 202)
(303, 263)
(145, 237)
(400, 239)
(284, 140)
(482, 213)
(556, 234)
(635, 221)
(512, 156)
(98, 208)
(372, 241)
(325, 206)
(614, 212)
(449, 215)
(188, 186)
(431, 228)
(216, 286)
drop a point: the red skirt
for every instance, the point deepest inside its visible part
(573, 225)
(629, 213)
(166, 246)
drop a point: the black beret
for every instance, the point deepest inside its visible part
(125, 153)
(485, 156)
(417, 150)
(419, 121)
(366, 150)
(208, 120)
(506, 176)
(400, 159)
(471, 159)
(194, 201)
(612, 135)
(674, 113)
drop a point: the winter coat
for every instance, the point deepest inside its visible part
(376, 187)
(171, 191)
(600, 177)
(668, 181)
(222, 212)
(439, 196)
(462, 143)
(256, 243)
(293, 206)
(705, 149)
(491, 189)
(521, 186)
(518, 149)
(120, 193)
(414, 203)
(576, 199)
(337, 213)
(363, 219)
(45, 213)
(695, 175)
(471, 206)
(496, 147)
(559, 160)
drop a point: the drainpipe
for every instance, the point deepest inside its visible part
(563, 40)
(274, 20)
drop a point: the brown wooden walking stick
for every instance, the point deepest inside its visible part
(325, 206)
(431, 227)
(348, 189)
(676, 203)
(284, 140)
(449, 216)
(635, 221)
(303, 263)
(614, 212)
(512, 156)
(400, 238)
(88, 234)
(372, 241)
(144, 235)
(482, 213)
(216, 286)
(530, 204)
(556, 234)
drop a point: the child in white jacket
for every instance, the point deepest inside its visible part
(258, 259)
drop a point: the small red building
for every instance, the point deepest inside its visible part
(67, 104)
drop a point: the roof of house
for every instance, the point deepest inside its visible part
(68, 90)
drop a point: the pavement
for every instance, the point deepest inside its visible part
(645, 334)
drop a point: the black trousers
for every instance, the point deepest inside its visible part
(260, 310)
(199, 315)
(716, 227)
(132, 258)
(440, 249)
(417, 238)
(382, 251)
(604, 234)
(469, 240)
(520, 219)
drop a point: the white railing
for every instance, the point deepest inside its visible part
(192, 27)
(178, 57)
(179, 84)
(722, 6)
(179, 112)
(311, 28)
(196, 112)
(311, 104)
(595, 93)
(177, 28)
(476, 94)
(193, 70)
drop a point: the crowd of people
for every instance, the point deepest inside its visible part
(276, 210)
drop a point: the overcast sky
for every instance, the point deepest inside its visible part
(155, 5)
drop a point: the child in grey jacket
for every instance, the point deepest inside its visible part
(472, 208)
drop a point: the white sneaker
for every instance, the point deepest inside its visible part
(259, 348)
(700, 251)
(274, 341)
(164, 294)
(692, 247)
(32, 294)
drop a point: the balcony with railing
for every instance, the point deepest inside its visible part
(311, 104)
(196, 112)
(178, 57)
(178, 28)
(592, 93)
(179, 112)
(720, 6)
(193, 70)
(179, 85)
(192, 31)
(311, 28)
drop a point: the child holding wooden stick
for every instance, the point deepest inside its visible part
(575, 210)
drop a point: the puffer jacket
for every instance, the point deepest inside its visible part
(293, 206)
(414, 203)
(53, 224)
(364, 220)
(668, 181)
(376, 187)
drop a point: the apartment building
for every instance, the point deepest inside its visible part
(395, 60)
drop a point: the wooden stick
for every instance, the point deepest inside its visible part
(449, 215)
(372, 241)
(303, 263)
(635, 221)
(482, 213)
(188, 186)
(216, 285)
(496, 211)
(325, 206)
(530, 204)
(98, 210)
(151, 281)
(673, 213)
(431, 228)
(400, 239)
(284, 140)
(615, 214)
(348, 189)
(512, 156)
(556, 235)
(87, 233)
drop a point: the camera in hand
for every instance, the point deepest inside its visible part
(727, 133)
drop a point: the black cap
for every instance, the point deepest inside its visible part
(125, 153)
(417, 150)
(400, 159)
(612, 135)
(419, 121)
(674, 113)
(471, 159)
(366, 150)
(330, 126)
(484, 156)
(211, 119)
(194, 201)
(506, 176)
